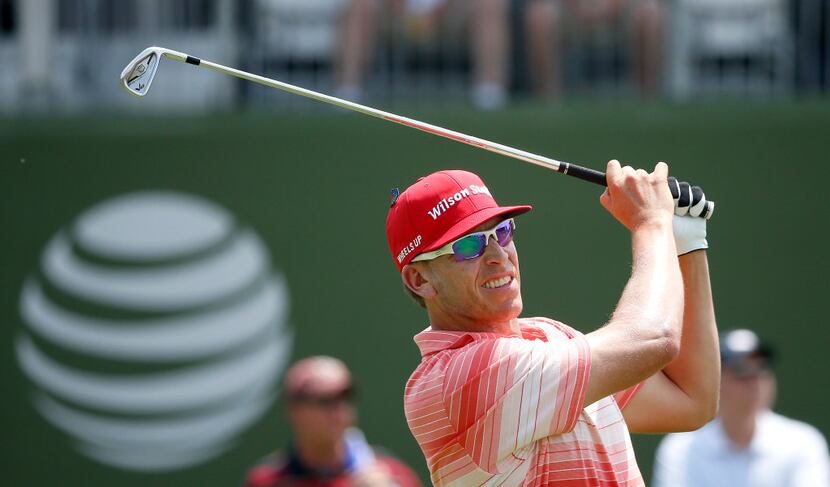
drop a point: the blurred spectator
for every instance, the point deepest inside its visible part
(326, 449)
(748, 445)
(811, 24)
(489, 41)
(549, 23)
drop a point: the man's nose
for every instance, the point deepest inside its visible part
(495, 253)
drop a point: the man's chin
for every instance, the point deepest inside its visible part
(509, 310)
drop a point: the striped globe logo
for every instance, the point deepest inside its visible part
(154, 331)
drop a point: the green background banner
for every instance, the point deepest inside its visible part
(315, 189)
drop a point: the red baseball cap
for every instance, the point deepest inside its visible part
(438, 209)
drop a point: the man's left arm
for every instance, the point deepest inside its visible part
(684, 395)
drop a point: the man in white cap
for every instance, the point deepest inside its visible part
(503, 400)
(326, 449)
(748, 445)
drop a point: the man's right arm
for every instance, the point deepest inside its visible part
(643, 335)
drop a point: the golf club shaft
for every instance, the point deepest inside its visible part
(574, 170)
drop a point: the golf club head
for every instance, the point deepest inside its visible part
(138, 75)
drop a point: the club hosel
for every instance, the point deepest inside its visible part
(175, 55)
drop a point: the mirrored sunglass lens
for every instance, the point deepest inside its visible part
(504, 232)
(469, 247)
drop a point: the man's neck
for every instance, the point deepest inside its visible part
(321, 456)
(510, 327)
(739, 428)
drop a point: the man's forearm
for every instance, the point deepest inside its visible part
(654, 295)
(643, 334)
(696, 370)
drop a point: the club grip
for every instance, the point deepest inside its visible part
(584, 173)
(598, 177)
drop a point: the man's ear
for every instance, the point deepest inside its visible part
(416, 278)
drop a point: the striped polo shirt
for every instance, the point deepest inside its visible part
(499, 410)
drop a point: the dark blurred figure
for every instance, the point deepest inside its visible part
(552, 23)
(811, 23)
(326, 449)
(489, 40)
(748, 445)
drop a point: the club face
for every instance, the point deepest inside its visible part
(137, 77)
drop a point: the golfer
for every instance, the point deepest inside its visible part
(503, 400)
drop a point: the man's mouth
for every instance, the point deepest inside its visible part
(496, 283)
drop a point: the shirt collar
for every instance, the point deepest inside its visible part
(295, 466)
(432, 341)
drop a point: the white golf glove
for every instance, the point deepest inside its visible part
(689, 234)
(691, 211)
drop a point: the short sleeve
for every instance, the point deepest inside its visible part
(502, 395)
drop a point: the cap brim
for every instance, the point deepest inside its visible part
(471, 221)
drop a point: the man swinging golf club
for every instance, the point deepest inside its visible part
(503, 400)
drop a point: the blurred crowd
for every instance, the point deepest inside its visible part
(483, 51)
(546, 24)
(554, 48)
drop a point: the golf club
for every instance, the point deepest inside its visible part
(138, 75)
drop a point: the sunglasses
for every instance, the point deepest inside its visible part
(748, 368)
(324, 401)
(473, 245)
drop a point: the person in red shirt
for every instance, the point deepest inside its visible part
(503, 400)
(326, 449)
